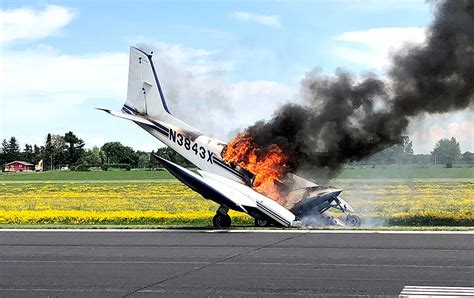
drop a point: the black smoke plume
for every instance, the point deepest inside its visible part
(348, 118)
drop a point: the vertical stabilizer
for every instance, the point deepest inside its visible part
(144, 91)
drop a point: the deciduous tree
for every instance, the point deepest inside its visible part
(115, 152)
(446, 151)
(173, 156)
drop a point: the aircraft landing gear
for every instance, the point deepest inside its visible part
(262, 223)
(222, 219)
(353, 221)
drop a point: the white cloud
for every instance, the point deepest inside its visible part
(373, 47)
(266, 20)
(192, 60)
(48, 73)
(385, 38)
(428, 130)
(49, 89)
(181, 54)
(28, 24)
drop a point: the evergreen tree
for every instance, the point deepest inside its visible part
(59, 147)
(47, 154)
(36, 154)
(4, 146)
(74, 148)
(13, 149)
(27, 154)
(4, 158)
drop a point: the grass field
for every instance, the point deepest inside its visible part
(93, 175)
(415, 202)
(349, 172)
(406, 172)
(382, 195)
(84, 202)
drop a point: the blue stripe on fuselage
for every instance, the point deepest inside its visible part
(157, 126)
(133, 110)
(160, 126)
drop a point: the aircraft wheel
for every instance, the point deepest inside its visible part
(261, 223)
(221, 220)
(353, 221)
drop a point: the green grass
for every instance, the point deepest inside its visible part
(93, 175)
(349, 172)
(405, 171)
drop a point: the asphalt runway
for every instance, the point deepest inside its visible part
(210, 263)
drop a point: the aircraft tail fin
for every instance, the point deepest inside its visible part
(144, 94)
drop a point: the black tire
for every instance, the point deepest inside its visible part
(353, 221)
(261, 222)
(221, 220)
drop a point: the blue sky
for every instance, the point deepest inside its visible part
(223, 65)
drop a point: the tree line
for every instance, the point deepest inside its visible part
(446, 151)
(57, 151)
(67, 151)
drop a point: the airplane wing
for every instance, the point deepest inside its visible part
(235, 195)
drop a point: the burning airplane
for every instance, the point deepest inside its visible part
(237, 175)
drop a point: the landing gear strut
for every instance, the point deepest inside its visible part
(222, 219)
(352, 221)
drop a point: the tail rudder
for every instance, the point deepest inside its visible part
(144, 94)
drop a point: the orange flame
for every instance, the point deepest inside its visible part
(268, 165)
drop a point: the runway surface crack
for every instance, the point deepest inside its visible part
(212, 264)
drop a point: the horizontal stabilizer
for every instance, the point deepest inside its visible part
(127, 116)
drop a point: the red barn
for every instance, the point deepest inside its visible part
(19, 166)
